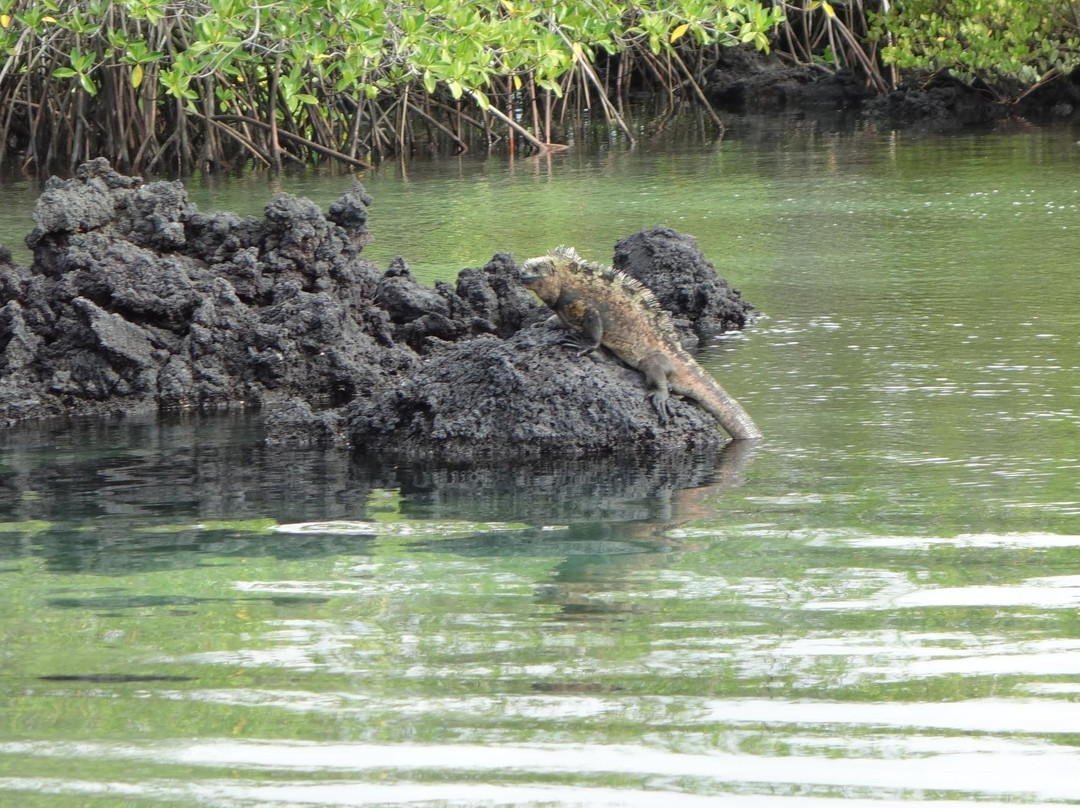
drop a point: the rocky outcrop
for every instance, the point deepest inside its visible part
(137, 301)
(525, 396)
(748, 81)
(671, 264)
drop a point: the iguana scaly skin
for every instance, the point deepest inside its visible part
(603, 306)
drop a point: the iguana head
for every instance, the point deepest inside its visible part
(543, 275)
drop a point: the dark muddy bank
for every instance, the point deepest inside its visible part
(747, 81)
(136, 301)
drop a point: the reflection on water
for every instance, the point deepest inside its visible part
(876, 606)
(582, 633)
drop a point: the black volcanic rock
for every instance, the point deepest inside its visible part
(137, 301)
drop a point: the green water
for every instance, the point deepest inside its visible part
(878, 605)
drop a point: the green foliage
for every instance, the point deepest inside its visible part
(81, 65)
(992, 39)
(306, 64)
(151, 82)
(350, 44)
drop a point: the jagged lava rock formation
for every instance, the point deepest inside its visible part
(137, 301)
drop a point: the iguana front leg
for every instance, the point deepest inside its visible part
(591, 335)
(657, 367)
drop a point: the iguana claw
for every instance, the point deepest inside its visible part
(578, 343)
(662, 404)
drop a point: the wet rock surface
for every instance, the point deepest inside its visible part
(746, 80)
(943, 102)
(138, 302)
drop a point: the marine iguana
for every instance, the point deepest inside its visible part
(603, 306)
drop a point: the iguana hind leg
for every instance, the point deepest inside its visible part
(657, 367)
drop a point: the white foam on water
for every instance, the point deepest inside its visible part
(1045, 716)
(359, 794)
(1033, 770)
(987, 540)
(1054, 592)
(340, 528)
(406, 528)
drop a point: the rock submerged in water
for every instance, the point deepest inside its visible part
(137, 301)
(525, 395)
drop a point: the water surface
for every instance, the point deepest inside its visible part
(880, 605)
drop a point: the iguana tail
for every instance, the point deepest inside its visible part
(696, 383)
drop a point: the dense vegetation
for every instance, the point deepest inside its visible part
(169, 85)
(153, 83)
(1009, 45)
